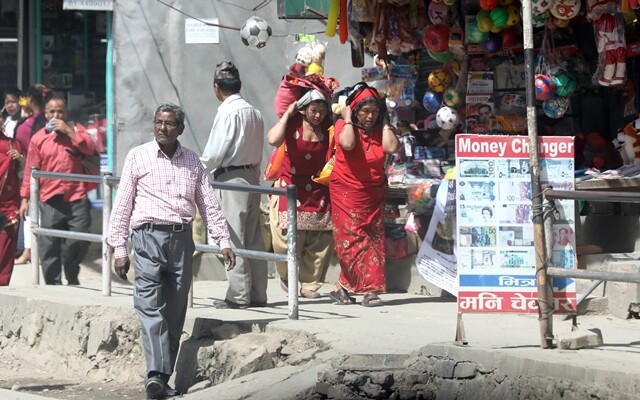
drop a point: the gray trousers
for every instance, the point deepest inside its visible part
(75, 216)
(163, 274)
(248, 280)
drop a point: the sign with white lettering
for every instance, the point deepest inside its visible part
(90, 5)
(198, 32)
(496, 257)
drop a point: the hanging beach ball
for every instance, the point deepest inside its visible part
(544, 87)
(509, 37)
(564, 82)
(556, 107)
(499, 17)
(475, 35)
(513, 13)
(431, 101)
(539, 7)
(436, 38)
(452, 97)
(447, 118)
(439, 80)
(489, 5)
(493, 44)
(442, 56)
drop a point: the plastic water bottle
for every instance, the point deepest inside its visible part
(49, 126)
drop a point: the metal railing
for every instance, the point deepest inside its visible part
(549, 195)
(108, 182)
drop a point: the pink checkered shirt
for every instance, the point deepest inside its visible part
(161, 190)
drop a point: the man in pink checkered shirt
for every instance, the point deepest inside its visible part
(161, 185)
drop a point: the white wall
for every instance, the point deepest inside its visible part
(154, 65)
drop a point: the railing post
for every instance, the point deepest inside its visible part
(107, 254)
(34, 213)
(292, 262)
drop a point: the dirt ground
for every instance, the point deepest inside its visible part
(18, 374)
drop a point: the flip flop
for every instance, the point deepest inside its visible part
(341, 297)
(372, 300)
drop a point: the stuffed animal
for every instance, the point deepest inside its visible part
(610, 41)
(317, 59)
(628, 143)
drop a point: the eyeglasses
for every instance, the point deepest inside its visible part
(168, 124)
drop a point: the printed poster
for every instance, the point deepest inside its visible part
(496, 258)
(436, 259)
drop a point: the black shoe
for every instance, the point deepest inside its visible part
(170, 392)
(257, 304)
(155, 388)
(73, 282)
(227, 304)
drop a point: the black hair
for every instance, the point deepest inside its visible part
(172, 108)
(39, 93)
(227, 77)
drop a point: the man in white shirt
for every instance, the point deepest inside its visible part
(233, 154)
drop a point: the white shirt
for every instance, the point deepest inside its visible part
(236, 137)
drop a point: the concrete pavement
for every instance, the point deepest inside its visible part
(407, 323)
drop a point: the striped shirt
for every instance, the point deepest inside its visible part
(161, 190)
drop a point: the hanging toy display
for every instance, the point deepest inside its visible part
(499, 17)
(474, 34)
(439, 80)
(436, 38)
(611, 44)
(439, 13)
(483, 21)
(540, 7)
(452, 97)
(431, 101)
(556, 107)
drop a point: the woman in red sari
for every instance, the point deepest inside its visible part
(304, 129)
(11, 161)
(358, 188)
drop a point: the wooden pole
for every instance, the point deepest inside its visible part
(545, 296)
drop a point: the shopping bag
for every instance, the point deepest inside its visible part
(272, 170)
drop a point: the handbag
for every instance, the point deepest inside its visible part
(272, 170)
(325, 173)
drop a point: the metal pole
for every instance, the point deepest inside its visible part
(34, 213)
(545, 308)
(292, 263)
(107, 257)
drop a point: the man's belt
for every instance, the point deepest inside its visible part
(222, 170)
(165, 228)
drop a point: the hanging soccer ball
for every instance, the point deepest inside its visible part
(565, 83)
(439, 80)
(544, 87)
(447, 118)
(255, 32)
(556, 107)
(452, 97)
(431, 101)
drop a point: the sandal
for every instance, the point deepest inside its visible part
(371, 299)
(341, 297)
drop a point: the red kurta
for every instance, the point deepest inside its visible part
(304, 159)
(9, 206)
(358, 188)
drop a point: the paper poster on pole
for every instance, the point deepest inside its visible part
(436, 259)
(496, 255)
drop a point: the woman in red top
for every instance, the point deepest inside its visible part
(11, 161)
(358, 187)
(304, 128)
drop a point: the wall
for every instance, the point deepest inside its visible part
(154, 65)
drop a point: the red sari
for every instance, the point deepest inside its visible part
(358, 188)
(9, 206)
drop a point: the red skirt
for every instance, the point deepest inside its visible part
(358, 233)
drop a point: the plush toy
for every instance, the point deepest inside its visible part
(610, 41)
(317, 59)
(304, 56)
(628, 143)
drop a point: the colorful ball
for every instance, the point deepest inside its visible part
(439, 80)
(452, 97)
(489, 4)
(450, 2)
(431, 101)
(447, 118)
(564, 82)
(436, 38)
(540, 19)
(539, 7)
(544, 87)
(493, 44)
(556, 107)
(442, 56)
(484, 24)
(499, 16)
(475, 35)
(509, 37)
(513, 12)
(439, 13)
